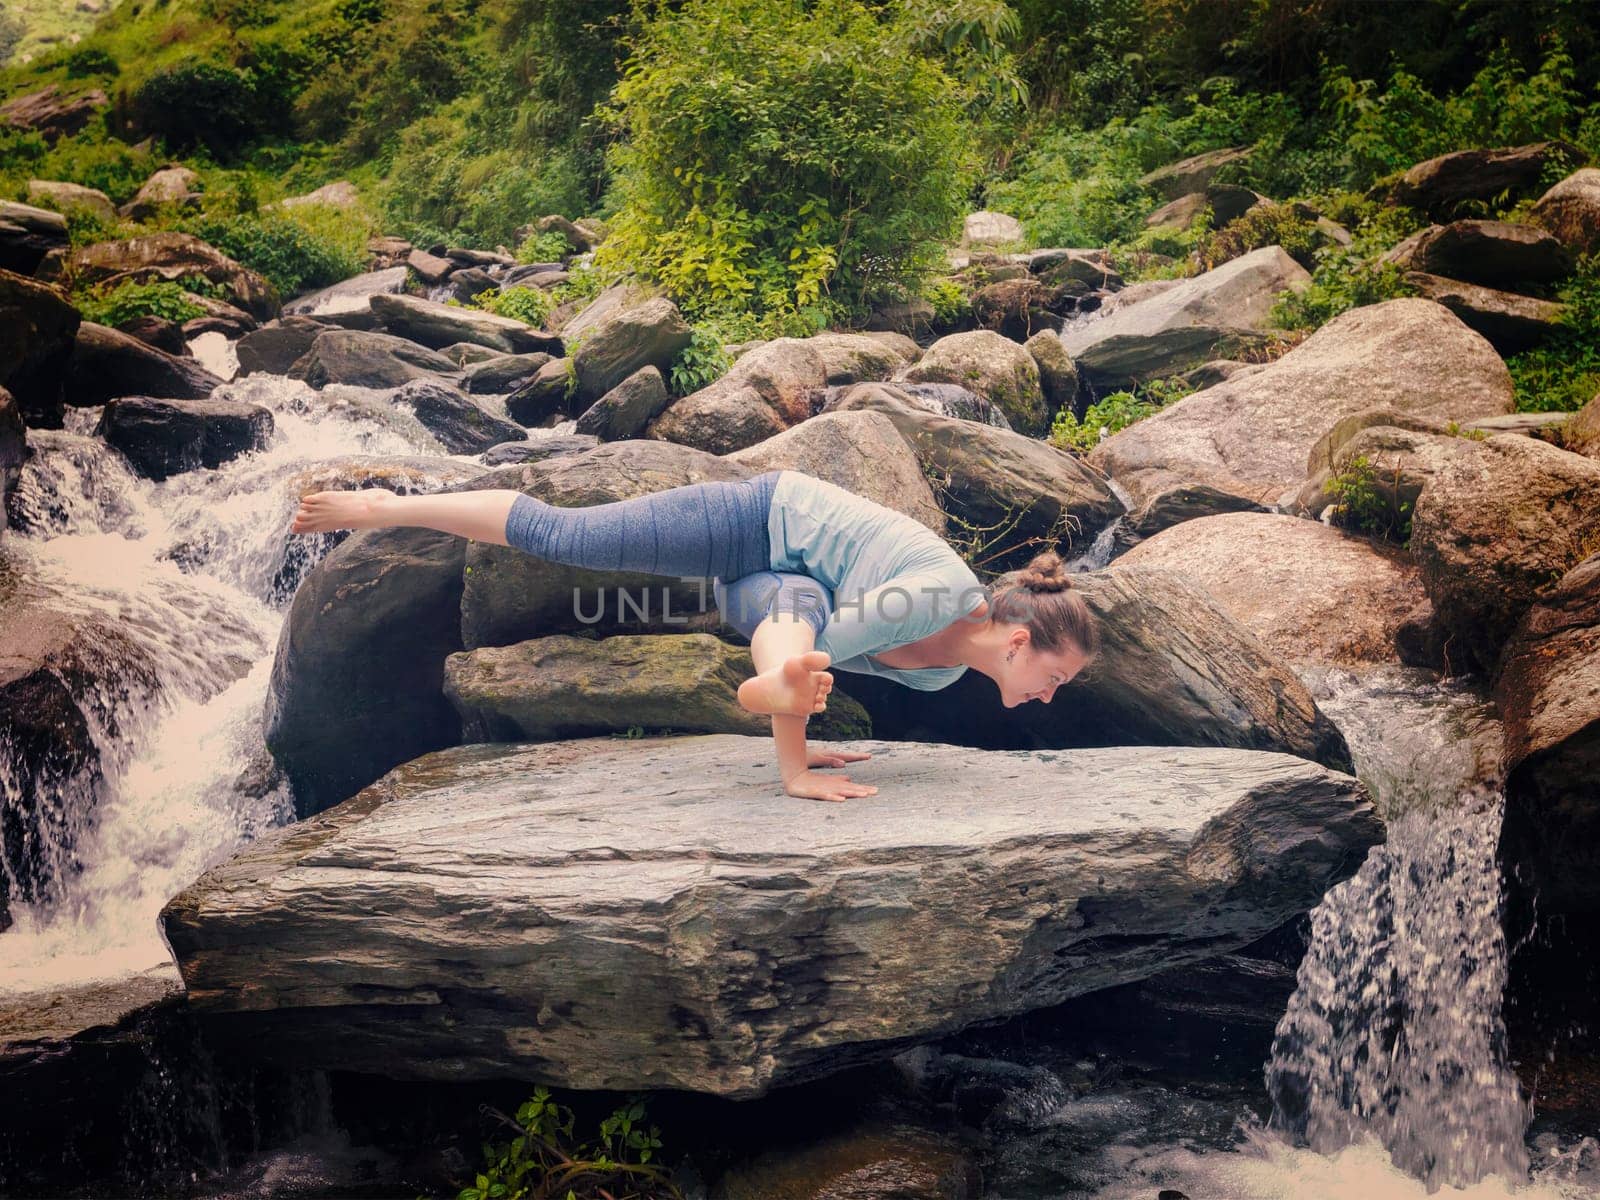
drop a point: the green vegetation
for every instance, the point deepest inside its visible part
(1114, 412)
(1367, 499)
(308, 246)
(116, 306)
(699, 364)
(1564, 374)
(541, 1161)
(528, 305)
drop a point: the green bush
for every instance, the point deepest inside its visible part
(1114, 412)
(90, 60)
(1366, 499)
(699, 364)
(1563, 374)
(127, 300)
(1263, 225)
(298, 249)
(528, 305)
(785, 158)
(544, 247)
(204, 104)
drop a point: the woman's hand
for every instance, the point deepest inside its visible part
(810, 785)
(834, 758)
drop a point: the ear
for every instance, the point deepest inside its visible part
(1019, 638)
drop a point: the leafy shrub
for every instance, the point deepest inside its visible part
(949, 300)
(544, 247)
(297, 249)
(701, 363)
(92, 159)
(1263, 225)
(1350, 277)
(783, 157)
(90, 60)
(1114, 412)
(118, 305)
(1080, 188)
(1367, 499)
(528, 305)
(543, 1162)
(203, 104)
(1563, 374)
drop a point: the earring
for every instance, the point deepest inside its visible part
(1010, 656)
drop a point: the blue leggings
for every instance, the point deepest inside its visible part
(712, 530)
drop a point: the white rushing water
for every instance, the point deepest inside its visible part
(189, 579)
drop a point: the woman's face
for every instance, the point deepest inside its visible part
(1034, 675)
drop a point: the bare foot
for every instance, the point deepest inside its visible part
(321, 511)
(799, 686)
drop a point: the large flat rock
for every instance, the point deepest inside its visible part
(655, 913)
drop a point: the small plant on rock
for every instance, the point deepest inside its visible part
(1367, 499)
(528, 305)
(699, 364)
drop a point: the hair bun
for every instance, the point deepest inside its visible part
(1045, 573)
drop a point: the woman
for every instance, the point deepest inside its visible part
(814, 575)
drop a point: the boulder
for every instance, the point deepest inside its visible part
(991, 229)
(500, 374)
(387, 252)
(1246, 441)
(1093, 269)
(1174, 670)
(907, 317)
(864, 1161)
(995, 367)
(1496, 528)
(577, 236)
(219, 317)
(535, 449)
(1058, 374)
(373, 360)
(27, 234)
(470, 354)
(547, 395)
(1228, 202)
(64, 197)
(172, 186)
(440, 325)
(549, 912)
(766, 391)
(50, 114)
(1495, 254)
(106, 364)
(1582, 432)
(1549, 696)
(1015, 308)
(430, 268)
(626, 409)
(462, 425)
(580, 323)
(158, 332)
(161, 438)
(1035, 494)
(860, 451)
(37, 330)
(1192, 174)
(562, 686)
(1313, 595)
(1439, 184)
(1177, 214)
(1571, 211)
(13, 448)
(859, 357)
(651, 334)
(1404, 452)
(172, 257)
(1208, 316)
(353, 295)
(339, 194)
(469, 282)
(274, 348)
(512, 596)
(1512, 323)
(357, 679)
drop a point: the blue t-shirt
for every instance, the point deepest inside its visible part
(893, 579)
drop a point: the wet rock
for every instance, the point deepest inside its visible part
(1512, 323)
(860, 451)
(1209, 316)
(1247, 440)
(1311, 593)
(562, 687)
(357, 680)
(651, 334)
(172, 186)
(374, 360)
(353, 295)
(1192, 174)
(220, 317)
(511, 596)
(162, 438)
(1091, 268)
(154, 331)
(106, 364)
(874, 1163)
(469, 282)
(276, 347)
(1548, 691)
(64, 197)
(995, 367)
(626, 409)
(995, 479)
(578, 923)
(1494, 254)
(545, 396)
(535, 449)
(502, 373)
(462, 425)
(1571, 211)
(440, 325)
(37, 329)
(50, 114)
(1439, 184)
(1496, 528)
(27, 234)
(172, 257)
(387, 252)
(13, 448)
